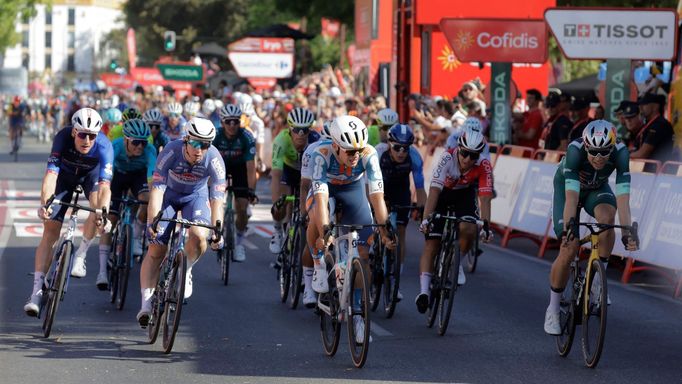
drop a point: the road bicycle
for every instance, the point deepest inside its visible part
(290, 272)
(121, 258)
(58, 276)
(446, 270)
(169, 293)
(585, 299)
(226, 254)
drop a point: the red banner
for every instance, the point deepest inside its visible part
(114, 80)
(330, 28)
(497, 40)
(263, 44)
(147, 76)
(363, 23)
(261, 83)
(132, 48)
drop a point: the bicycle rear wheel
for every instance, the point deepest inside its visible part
(567, 314)
(436, 285)
(358, 350)
(296, 267)
(448, 278)
(330, 323)
(391, 279)
(594, 318)
(225, 254)
(154, 325)
(124, 266)
(56, 287)
(174, 298)
(376, 272)
(284, 276)
(114, 263)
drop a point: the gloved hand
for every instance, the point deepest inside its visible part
(486, 235)
(217, 244)
(424, 227)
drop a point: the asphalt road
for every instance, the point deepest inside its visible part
(242, 334)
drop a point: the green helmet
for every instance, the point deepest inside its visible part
(131, 113)
(136, 129)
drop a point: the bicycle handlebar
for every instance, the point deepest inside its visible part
(217, 228)
(54, 201)
(598, 228)
(466, 219)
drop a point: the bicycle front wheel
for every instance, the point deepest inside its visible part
(155, 319)
(174, 298)
(56, 286)
(567, 314)
(436, 285)
(376, 273)
(391, 280)
(297, 267)
(594, 316)
(330, 323)
(123, 267)
(114, 263)
(358, 321)
(448, 278)
(225, 254)
(470, 260)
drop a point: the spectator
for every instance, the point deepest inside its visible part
(619, 112)
(580, 115)
(558, 125)
(599, 113)
(531, 125)
(655, 139)
(471, 93)
(633, 122)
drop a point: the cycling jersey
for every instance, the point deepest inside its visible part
(328, 169)
(397, 175)
(116, 132)
(126, 164)
(174, 133)
(285, 153)
(374, 135)
(160, 140)
(452, 142)
(175, 173)
(306, 168)
(65, 158)
(236, 150)
(447, 174)
(580, 174)
(257, 128)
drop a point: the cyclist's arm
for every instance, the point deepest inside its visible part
(623, 179)
(437, 183)
(251, 174)
(431, 201)
(485, 188)
(418, 175)
(217, 184)
(249, 156)
(320, 190)
(571, 169)
(277, 167)
(48, 188)
(106, 171)
(159, 179)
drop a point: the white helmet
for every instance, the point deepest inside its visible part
(387, 117)
(218, 104)
(257, 99)
(86, 120)
(472, 140)
(300, 118)
(153, 116)
(230, 111)
(599, 134)
(472, 124)
(247, 108)
(349, 132)
(208, 107)
(245, 98)
(175, 108)
(200, 129)
(191, 108)
(325, 130)
(237, 97)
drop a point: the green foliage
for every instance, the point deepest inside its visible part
(314, 10)
(324, 52)
(9, 9)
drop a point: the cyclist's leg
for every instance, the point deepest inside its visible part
(466, 204)
(601, 204)
(117, 190)
(240, 180)
(198, 209)
(90, 189)
(140, 189)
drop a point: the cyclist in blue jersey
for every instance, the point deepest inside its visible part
(190, 178)
(80, 155)
(134, 161)
(174, 123)
(154, 120)
(398, 159)
(338, 170)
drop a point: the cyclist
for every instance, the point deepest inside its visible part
(191, 109)
(470, 124)
(189, 177)
(174, 123)
(134, 160)
(117, 130)
(582, 179)
(17, 113)
(154, 120)
(386, 118)
(287, 149)
(112, 118)
(238, 149)
(210, 112)
(398, 159)
(253, 123)
(454, 185)
(80, 156)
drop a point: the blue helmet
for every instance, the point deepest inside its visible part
(401, 134)
(113, 115)
(136, 129)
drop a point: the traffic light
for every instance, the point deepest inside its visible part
(113, 65)
(169, 41)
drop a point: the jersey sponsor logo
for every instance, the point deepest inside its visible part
(157, 178)
(108, 169)
(252, 150)
(218, 167)
(185, 178)
(222, 187)
(441, 165)
(197, 212)
(161, 163)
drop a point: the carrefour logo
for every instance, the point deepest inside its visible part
(615, 31)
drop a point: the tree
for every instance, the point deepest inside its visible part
(9, 10)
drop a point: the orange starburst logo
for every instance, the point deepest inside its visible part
(463, 41)
(448, 59)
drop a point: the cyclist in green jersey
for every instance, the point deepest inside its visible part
(582, 178)
(378, 133)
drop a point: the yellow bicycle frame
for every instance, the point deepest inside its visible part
(593, 239)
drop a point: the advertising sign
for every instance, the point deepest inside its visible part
(500, 131)
(181, 72)
(132, 48)
(277, 65)
(534, 208)
(114, 80)
(509, 173)
(147, 76)
(262, 44)
(497, 40)
(594, 33)
(617, 88)
(262, 82)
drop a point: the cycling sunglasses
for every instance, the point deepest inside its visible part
(138, 142)
(231, 121)
(472, 155)
(385, 127)
(174, 115)
(300, 131)
(198, 144)
(83, 135)
(599, 152)
(154, 126)
(400, 148)
(352, 152)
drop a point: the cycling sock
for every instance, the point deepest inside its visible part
(38, 279)
(278, 226)
(83, 248)
(357, 299)
(147, 294)
(554, 300)
(424, 282)
(103, 257)
(308, 277)
(240, 237)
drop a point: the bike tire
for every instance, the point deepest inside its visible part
(470, 260)
(391, 280)
(594, 319)
(284, 273)
(154, 325)
(113, 268)
(358, 351)
(376, 273)
(567, 314)
(434, 289)
(124, 267)
(448, 278)
(297, 267)
(225, 254)
(56, 286)
(330, 324)
(174, 299)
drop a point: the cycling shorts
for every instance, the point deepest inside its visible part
(66, 183)
(194, 207)
(462, 202)
(135, 182)
(239, 179)
(588, 199)
(291, 177)
(399, 197)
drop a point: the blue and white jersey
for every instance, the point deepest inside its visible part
(174, 133)
(452, 143)
(174, 172)
(327, 169)
(124, 163)
(397, 175)
(306, 168)
(64, 156)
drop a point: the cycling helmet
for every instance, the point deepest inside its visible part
(401, 134)
(218, 104)
(387, 116)
(175, 108)
(131, 113)
(599, 134)
(325, 130)
(208, 107)
(472, 124)
(230, 111)
(257, 99)
(86, 120)
(349, 132)
(200, 129)
(153, 116)
(247, 107)
(113, 115)
(472, 140)
(300, 118)
(136, 129)
(191, 108)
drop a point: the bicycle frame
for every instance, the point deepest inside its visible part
(351, 241)
(593, 239)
